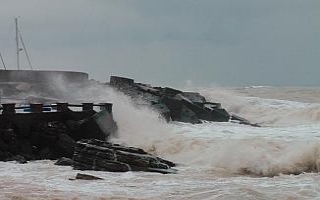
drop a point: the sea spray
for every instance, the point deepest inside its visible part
(266, 112)
(218, 150)
(248, 156)
(137, 126)
(218, 160)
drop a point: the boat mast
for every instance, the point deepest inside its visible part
(19, 36)
(17, 42)
(4, 65)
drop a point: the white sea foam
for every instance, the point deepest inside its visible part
(234, 148)
(138, 125)
(217, 160)
(269, 112)
(256, 87)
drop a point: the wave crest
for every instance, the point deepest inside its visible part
(254, 157)
(268, 112)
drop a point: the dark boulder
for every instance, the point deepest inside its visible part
(64, 161)
(45, 153)
(64, 146)
(104, 156)
(18, 158)
(86, 177)
(36, 134)
(173, 104)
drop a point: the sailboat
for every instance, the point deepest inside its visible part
(18, 81)
(19, 39)
(32, 75)
(18, 48)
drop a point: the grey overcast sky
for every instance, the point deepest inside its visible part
(221, 42)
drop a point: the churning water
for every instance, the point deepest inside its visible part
(279, 160)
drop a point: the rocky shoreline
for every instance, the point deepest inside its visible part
(76, 138)
(173, 104)
(80, 138)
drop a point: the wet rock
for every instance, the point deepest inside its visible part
(64, 146)
(26, 149)
(104, 156)
(86, 177)
(64, 162)
(241, 120)
(51, 135)
(18, 158)
(45, 153)
(180, 112)
(173, 104)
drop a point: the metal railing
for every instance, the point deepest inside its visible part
(59, 107)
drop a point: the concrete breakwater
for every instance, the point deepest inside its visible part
(50, 131)
(78, 137)
(173, 104)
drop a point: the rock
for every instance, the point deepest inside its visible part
(169, 163)
(64, 146)
(104, 156)
(26, 149)
(18, 158)
(86, 177)
(3, 145)
(241, 120)
(195, 97)
(173, 104)
(49, 131)
(101, 165)
(45, 153)
(51, 135)
(170, 92)
(120, 81)
(99, 125)
(180, 112)
(64, 162)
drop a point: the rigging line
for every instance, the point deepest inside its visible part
(25, 50)
(4, 65)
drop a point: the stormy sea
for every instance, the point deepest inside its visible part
(279, 160)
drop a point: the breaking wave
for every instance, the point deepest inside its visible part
(136, 125)
(250, 156)
(257, 87)
(259, 155)
(268, 112)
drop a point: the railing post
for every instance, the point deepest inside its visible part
(87, 106)
(8, 108)
(106, 106)
(62, 107)
(36, 107)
